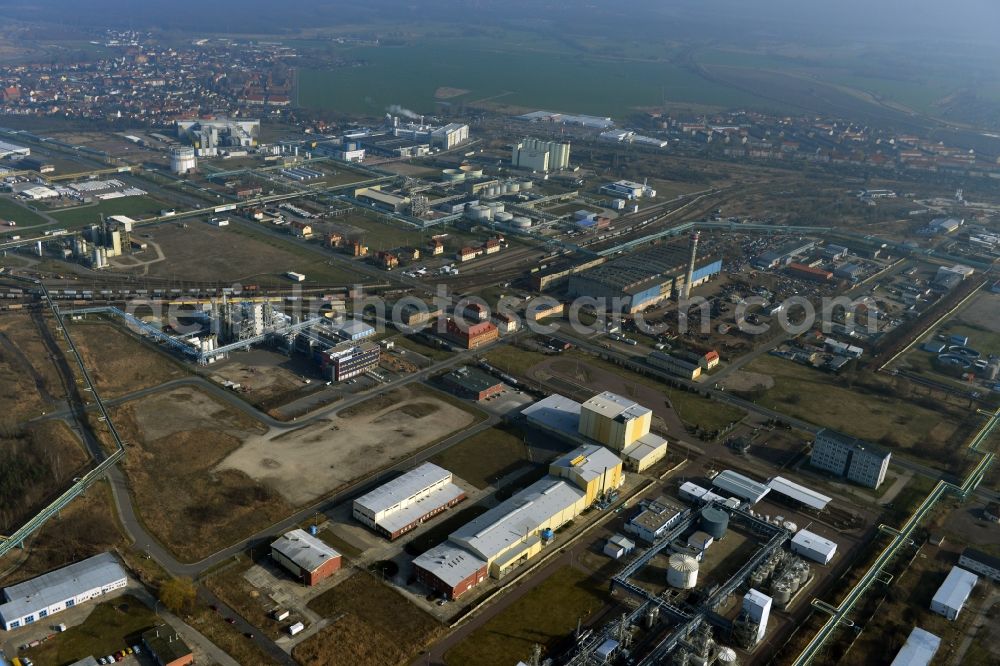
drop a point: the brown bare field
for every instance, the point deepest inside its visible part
(86, 527)
(176, 441)
(233, 589)
(29, 380)
(118, 363)
(238, 255)
(371, 625)
(37, 463)
(308, 462)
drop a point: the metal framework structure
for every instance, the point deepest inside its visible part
(688, 620)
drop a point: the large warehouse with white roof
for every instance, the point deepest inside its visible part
(48, 594)
(515, 530)
(400, 505)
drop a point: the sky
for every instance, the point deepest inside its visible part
(954, 20)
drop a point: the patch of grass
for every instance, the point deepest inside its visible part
(137, 207)
(372, 626)
(691, 407)
(10, 210)
(111, 626)
(237, 593)
(544, 615)
(230, 640)
(431, 536)
(800, 391)
(118, 363)
(483, 457)
(514, 360)
(342, 546)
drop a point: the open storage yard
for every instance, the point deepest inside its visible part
(118, 363)
(370, 625)
(307, 462)
(176, 440)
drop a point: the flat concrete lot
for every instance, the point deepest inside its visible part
(306, 463)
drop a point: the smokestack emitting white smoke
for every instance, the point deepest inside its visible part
(406, 113)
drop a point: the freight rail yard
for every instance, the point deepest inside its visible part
(489, 390)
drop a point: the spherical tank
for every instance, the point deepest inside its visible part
(682, 571)
(714, 522)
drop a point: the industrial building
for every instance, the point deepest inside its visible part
(783, 255)
(12, 150)
(515, 530)
(207, 136)
(850, 457)
(44, 596)
(374, 197)
(618, 547)
(692, 492)
(980, 563)
(627, 189)
(540, 155)
(813, 547)
(754, 615)
(512, 532)
(643, 278)
(953, 593)
(738, 485)
(349, 359)
(402, 504)
(470, 382)
(798, 493)
(919, 649)
(352, 329)
(609, 419)
(675, 366)
(305, 556)
(592, 468)
(166, 647)
(657, 518)
(471, 336)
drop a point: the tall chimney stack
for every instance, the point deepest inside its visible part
(689, 278)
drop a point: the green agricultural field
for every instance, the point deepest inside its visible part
(543, 615)
(10, 210)
(137, 207)
(518, 76)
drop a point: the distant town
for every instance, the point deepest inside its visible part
(470, 384)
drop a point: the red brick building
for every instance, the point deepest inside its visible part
(449, 571)
(473, 383)
(471, 336)
(305, 557)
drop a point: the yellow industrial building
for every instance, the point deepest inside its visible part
(517, 529)
(593, 469)
(622, 425)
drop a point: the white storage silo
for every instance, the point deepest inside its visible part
(682, 571)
